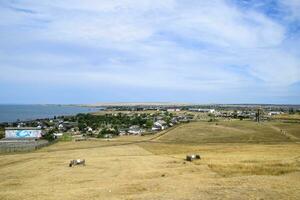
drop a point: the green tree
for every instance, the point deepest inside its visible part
(49, 135)
(81, 126)
(291, 111)
(2, 132)
(149, 123)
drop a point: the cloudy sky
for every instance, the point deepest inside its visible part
(216, 51)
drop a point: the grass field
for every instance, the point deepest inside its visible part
(240, 160)
(293, 117)
(231, 132)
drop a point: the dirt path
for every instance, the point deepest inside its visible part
(284, 132)
(159, 135)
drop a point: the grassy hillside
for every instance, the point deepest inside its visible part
(230, 132)
(290, 128)
(288, 117)
(153, 167)
(117, 171)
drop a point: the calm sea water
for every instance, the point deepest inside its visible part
(11, 113)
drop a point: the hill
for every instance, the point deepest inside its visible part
(232, 132)
(234, 165)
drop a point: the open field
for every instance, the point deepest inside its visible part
(232, 132)
(245, 161)
(295, 117)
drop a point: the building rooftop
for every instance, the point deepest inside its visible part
(22, 128)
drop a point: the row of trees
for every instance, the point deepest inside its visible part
(115, 121)
(2, 131)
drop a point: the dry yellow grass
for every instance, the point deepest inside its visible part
(128, 168)
(287, 117)
(228, 132)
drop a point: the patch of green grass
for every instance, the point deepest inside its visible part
(66, 137)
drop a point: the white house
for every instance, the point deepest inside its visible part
(60, 126)
(274, 113)
(159, 125)
(202, 110)
(135, 130)
(173, 109)
(89, 129)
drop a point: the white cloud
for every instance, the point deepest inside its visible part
(198, 45)
(292, 6)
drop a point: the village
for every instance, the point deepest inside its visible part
(137, 120)
(106, 125)
(206, 147)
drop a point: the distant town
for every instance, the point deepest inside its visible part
(139, 119)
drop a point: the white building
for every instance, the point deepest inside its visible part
(173, 109)
(135, 130)
(159, 125)
(275, 113)
(22, 132)
(202, 110)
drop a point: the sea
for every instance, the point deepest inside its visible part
(13, 113)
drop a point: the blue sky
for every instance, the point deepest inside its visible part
(198, 51)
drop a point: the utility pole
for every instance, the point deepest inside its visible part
(257, 115)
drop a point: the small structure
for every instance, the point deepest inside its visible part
(23, 133)
(202, 110)
(20, 139)
(159, 125)
(122, 132)
(58, 135)
(174, 120)
(61, 127)
(135, 130)
(275, 113)
(173, 110)
(193, 157)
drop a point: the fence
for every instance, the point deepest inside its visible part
(21, 145)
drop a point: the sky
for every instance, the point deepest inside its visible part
(192, 51)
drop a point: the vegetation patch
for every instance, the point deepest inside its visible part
(66, 137)
(224, 132)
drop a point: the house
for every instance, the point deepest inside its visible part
(174, 120)
(173, 109)
(135, 130)
(122, 132)
(89, 129)
(159, 125)
(183, 119)
(60, 126)
(202, 110)
(161, 122)
(274, 113)
(58, 135)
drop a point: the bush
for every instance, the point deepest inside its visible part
(2, 134)
(49, 135)
(107, 131)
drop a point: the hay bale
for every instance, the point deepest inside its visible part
(192, 157)
(77, 162)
